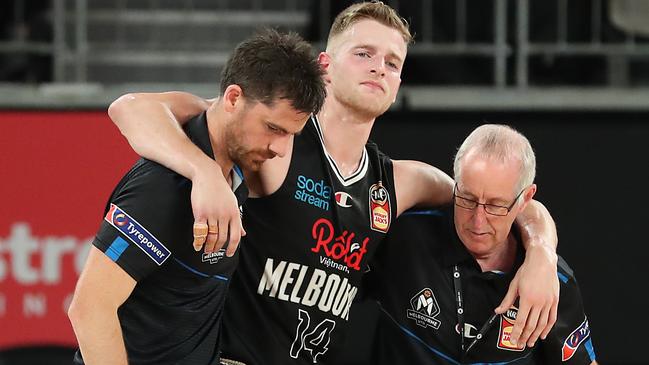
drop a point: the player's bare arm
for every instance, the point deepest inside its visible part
(536, 282)
(152, 125)
(102, 288)
(418, 184)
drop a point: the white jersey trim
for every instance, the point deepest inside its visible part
(356, 175)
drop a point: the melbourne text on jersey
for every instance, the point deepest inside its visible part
(308, 286)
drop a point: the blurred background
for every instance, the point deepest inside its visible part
(572, 75)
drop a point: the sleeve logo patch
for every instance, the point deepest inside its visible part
(137, 234)
(579, 335)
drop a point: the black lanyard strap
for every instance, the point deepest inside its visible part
(459, 304)
(482, 332)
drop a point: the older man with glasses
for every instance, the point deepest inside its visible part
(442, 272)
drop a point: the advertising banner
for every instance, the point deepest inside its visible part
(57, 170)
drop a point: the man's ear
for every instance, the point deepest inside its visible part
(529, 194)
(324, 59)
(232, 98)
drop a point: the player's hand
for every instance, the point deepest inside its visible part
(537, 285)
(216, 212)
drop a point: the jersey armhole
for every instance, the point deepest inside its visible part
(271, 176)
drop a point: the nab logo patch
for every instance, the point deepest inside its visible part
(507, 321)
(570, 345)
(137, 234)
(424, 309)
(343, 199)
(213, 257)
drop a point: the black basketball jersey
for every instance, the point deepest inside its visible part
(416, 276)
(307, 247)
(174, 314)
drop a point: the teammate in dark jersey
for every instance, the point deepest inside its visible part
(276, 319)
(147, 231)
(437, 291)
(145, 295)
(327, 226)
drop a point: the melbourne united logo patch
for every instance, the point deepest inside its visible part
(424, 309)
(213, 257)
(137, 234)
(576, 338)
(379, 208)
(507, 321)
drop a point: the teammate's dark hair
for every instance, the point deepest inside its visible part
(271, 65)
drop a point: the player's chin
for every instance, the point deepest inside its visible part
(253, 165)
(375, 107)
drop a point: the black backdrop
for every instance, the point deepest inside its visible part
(593, 175)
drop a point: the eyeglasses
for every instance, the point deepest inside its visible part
(492, 209)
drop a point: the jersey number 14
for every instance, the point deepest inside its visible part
(316, 341)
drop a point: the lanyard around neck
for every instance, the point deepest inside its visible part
(459, 305)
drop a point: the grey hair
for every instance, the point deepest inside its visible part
(503, 143)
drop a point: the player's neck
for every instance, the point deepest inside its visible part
(345, 135)
(501, 258)
(219, 143)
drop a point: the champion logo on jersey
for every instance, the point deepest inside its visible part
(424, 309)
(137, 234)
(470, 331)
(507, 321)
(576, 338)
(343, 199)
(379, 208)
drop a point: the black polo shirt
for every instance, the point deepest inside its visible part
(413, 278)
(174, 314)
